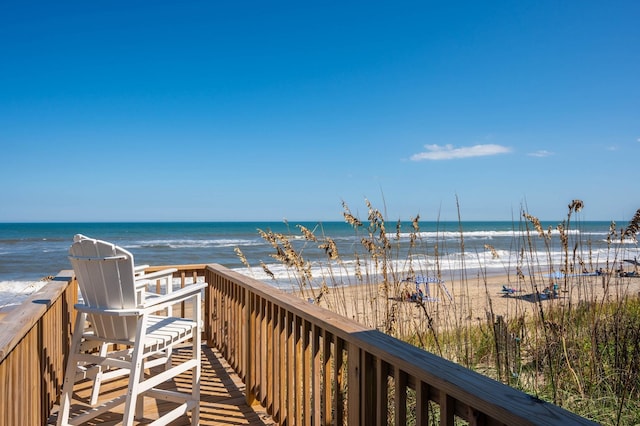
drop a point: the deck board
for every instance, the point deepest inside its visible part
(222, 398)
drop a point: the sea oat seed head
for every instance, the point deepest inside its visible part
(308, 235)
(243, 259)
(266, 269)
(634, 226)
(576, 206)
(494, 253)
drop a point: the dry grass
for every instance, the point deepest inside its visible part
(580, 349)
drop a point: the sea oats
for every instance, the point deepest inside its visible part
(392, 318)
(413, 236)
(349, 218)
(549, 232)
(535, 222)
(269, 237)
(330, 249)
(519, 273)
(369, 245)
(266, 269)
(281, 256)
(243, 259)
(308, 235)
(494, 253)
(576, 206)
(306, 269)
(323, 290)
(583, 266)
(632, 230)
(358, 267)
(563, 236)
(352, 220)
(375, 217)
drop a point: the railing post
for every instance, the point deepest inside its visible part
(422, 404)
(354, 392)
(447, 409)
(368, 389)
(248, 334)
(326, 389)
(307, 372)
(338, 366)
(290, 369)
(382, 395)
(400, 399)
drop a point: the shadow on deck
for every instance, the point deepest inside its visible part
(222, 397)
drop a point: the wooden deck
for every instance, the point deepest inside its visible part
(306, 364)
(222, 397)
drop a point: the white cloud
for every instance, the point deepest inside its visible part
(541, 153)
(448, 152)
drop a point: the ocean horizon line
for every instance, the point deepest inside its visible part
(285, 221)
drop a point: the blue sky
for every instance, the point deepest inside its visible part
(202, 110)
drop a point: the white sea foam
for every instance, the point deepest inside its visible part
(448, 266)
(185, 244)
(485, 234)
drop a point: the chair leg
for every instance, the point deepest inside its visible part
(95, 389)
(195, 383)
(136, 374)
(70, 373)
(196, 372)
(139, 412)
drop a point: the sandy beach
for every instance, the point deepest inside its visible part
(467, 300)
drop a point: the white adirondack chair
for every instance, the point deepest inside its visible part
(99, 373)
(117, 311)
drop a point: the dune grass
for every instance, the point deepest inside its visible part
(582, 354)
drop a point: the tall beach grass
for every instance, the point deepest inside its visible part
(576, 343)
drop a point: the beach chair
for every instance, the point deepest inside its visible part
(120, 328)
(508, 291)
(426, 295)
(143, 280)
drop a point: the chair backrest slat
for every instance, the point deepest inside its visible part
(105, 274)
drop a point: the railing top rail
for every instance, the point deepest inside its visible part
(16, 323)
(181, 268)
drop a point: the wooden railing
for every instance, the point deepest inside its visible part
(34, 344)
(309, 366)
(305, 364)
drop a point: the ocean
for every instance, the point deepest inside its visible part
(31, 251)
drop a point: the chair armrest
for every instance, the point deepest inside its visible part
(152, 305)
(184, 293)
(142, 280)
(140, 268)
(164, 273)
